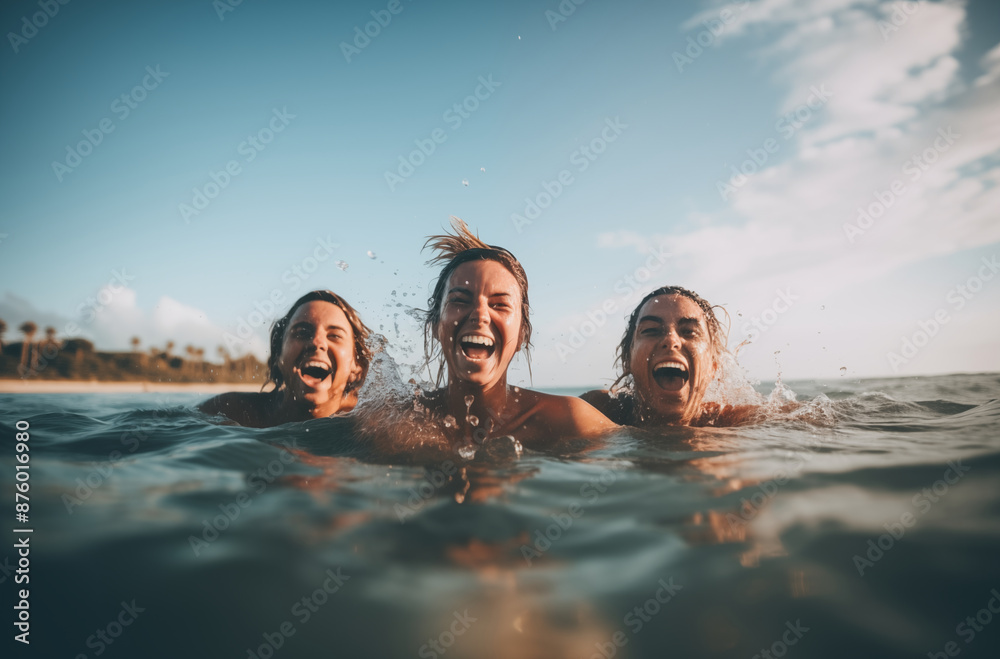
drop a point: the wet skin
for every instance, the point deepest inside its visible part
(480, 331)
(672, 364)
(317, 362)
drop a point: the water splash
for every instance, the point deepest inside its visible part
(343, 265)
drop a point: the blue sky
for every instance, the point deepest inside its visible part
(672, 95)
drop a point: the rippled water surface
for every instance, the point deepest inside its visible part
(867, 524)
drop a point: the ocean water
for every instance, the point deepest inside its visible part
(866, 524)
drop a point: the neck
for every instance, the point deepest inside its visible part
(645, 415)
(289, 408)
(488, 402)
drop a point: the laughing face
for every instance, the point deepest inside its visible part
(480, 322)
(317, 355)
(672, 360)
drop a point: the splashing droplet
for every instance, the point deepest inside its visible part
(473, 420)
(469, 400)
(465, 182)
(467, 452)
(371, 254)
(449, 422)
(843, 370)
(343, 265)
(822, 307)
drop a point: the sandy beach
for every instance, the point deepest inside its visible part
(92, 387)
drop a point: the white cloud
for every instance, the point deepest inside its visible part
(893, 98)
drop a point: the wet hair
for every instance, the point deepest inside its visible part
(454, 249)
(716, 334)
(362, 351)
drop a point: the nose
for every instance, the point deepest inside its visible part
(480, 314)
(318, 341)
(671, 339)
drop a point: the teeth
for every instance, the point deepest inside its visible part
(316, 364)
(676, 365)
(479, 340)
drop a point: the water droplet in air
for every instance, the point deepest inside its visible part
(449, 421)
(469, 400)
(343, 265)
(473, 420)
(467, 452)
(371, 254)
(465, 182)
(822, 307)
(843, 370)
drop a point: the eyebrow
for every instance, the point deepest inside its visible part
(687, 320)
(459, 289)
(306, 323)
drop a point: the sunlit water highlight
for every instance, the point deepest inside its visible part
(744, 534)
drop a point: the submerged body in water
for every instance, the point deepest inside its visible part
(863, 523)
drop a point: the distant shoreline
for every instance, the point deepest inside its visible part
(94, 387)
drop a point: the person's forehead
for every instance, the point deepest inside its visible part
(484, 274)
(672, 307)
(319, 312)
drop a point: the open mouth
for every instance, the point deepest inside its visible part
(670, 375)
(314, 371)
(477, 347)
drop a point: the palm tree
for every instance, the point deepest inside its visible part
(135, 343)
(170, 346)
(199, 353)
(28, 329)
(3, 328)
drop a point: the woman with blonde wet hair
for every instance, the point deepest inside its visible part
(671, 351)
(477, 320)
(319, 359)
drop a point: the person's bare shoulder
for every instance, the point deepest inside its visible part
(600, 399)
(244, 408)
(724, 416)
(614, 406)
(573, 415)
